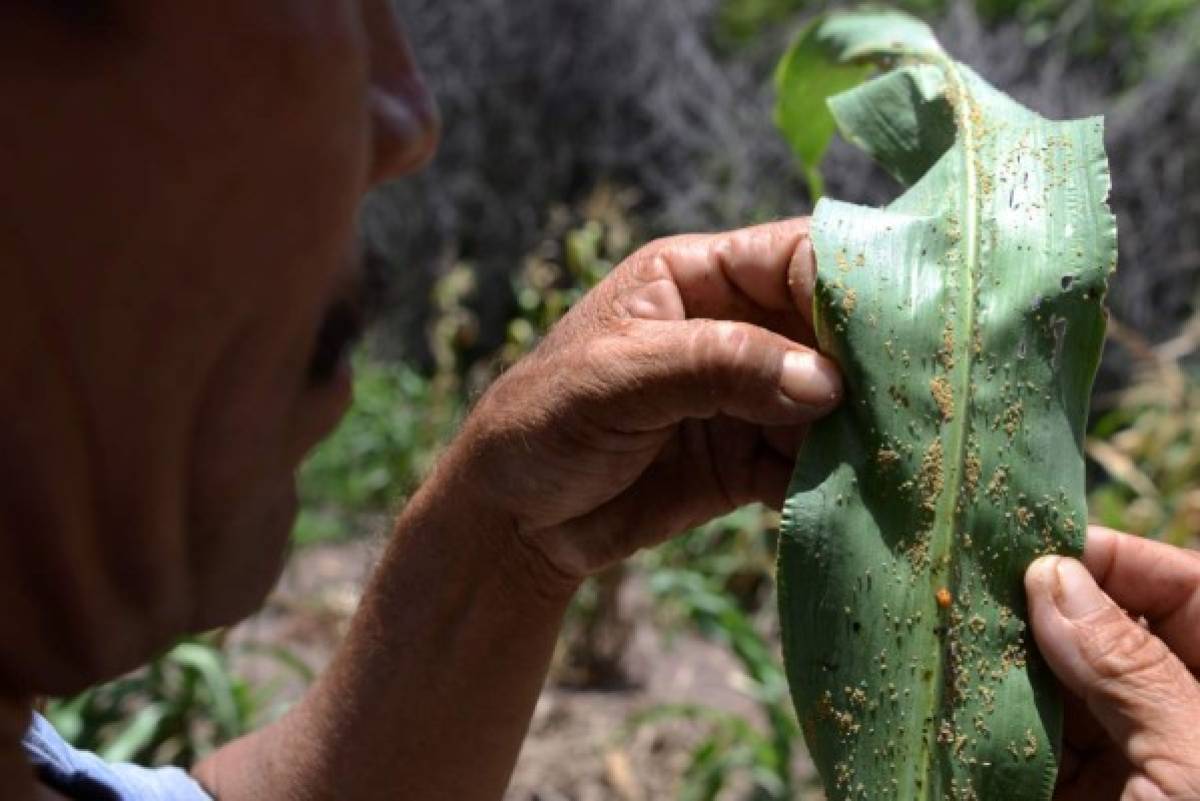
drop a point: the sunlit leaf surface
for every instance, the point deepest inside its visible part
(968, 319)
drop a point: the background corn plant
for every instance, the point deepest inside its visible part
(173, 712)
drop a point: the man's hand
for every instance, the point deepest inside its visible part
(677, 390)
(1133, 711)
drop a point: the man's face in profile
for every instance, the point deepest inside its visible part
(181, 181)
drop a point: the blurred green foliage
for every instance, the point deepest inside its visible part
(717, 580)
(388, 441)
(739, 22)
(1090, 28)
(731, 744)
(579, 248)
(172, 712)
(736, 555)
(1147, 441)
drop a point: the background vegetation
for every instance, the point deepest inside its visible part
(577, 130)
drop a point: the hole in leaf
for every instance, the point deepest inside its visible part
(1059, 329)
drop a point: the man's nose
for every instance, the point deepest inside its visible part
(405, 129)
(405, 125)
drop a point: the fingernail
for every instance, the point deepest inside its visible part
(1043, 573)
(801, 273)
(1077, 594)
(810, 380)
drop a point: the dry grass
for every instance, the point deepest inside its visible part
(1147, 441)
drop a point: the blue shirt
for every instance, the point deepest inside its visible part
(82, 776)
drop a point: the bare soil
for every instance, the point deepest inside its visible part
(580, 746)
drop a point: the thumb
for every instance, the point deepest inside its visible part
(1138, 691)
(655, 374)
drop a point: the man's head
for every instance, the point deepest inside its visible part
(179, 182)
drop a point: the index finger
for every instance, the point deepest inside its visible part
(1157, 581)
(761, 274)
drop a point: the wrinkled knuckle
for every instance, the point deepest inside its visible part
(594, 359)
(1167, 777)
(651, 299)
(659, 254)
(727, 338)
(1119, 650)
(650, 265)
(720, 349)
(623, 329)
(720, 251)
(615, 364)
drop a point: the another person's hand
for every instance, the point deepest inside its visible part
(1133, 706)
(674, 392)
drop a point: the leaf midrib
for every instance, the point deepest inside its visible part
(942, 549)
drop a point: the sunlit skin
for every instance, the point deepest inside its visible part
(1122, 632)
(180, 201)
(180, 185)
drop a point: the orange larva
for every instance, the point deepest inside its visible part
(944, 598)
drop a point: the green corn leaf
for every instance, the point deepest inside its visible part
(205, 664)
(137, 735)
(968, 320)
(829, 56)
